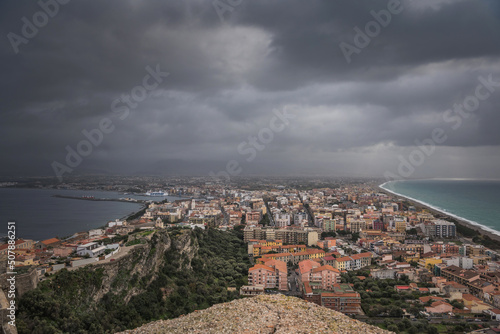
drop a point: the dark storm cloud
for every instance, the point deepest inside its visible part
(226, 78)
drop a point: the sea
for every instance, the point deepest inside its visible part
(39, 215)
(474, 201)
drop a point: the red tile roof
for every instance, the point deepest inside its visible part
(402, 287)
(307, 265)
(280, 265)
(307, 288)
(260, 266)
(50, 241)
(19, 241)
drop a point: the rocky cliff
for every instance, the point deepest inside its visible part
(142, 264)
(261, 314)
(171, 274)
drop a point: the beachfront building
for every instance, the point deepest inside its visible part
(439, 229)
(445, 229)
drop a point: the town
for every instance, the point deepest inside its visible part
(352, 248)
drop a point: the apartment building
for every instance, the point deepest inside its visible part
(447, 248)
(445, 229)
(329, 225)
(353, 262)
(285, 257)
(429, 262)
(319, 276)
(291, 236)
(342, 298)
(324, 277)
(253, 217)
(259, 250)
(400, 224)
(305, 268)
(300, 219)
(358, 225)
(327, 243)
(378, 224)
(282, 220)
(272, 275)
(459, 275)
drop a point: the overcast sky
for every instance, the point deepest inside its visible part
(232, 65)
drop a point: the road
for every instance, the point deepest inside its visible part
(292, 280)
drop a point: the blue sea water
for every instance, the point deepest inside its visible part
(476, 201)
(39, 215)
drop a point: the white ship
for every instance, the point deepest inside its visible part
(156, 193)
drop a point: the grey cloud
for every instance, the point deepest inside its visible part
(227, 78)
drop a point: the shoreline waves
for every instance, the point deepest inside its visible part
(483, 229)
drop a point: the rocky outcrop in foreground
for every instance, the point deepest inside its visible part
(261, 314)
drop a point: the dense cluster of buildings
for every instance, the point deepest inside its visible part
(393, 240)
(302, 241)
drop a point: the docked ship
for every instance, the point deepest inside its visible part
(156, 193)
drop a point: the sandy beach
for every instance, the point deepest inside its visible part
(443, 215)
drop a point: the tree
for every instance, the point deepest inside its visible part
(432, 330)
(456, 304)
(405, 279)
(412, 231)
(395, 312)
(265, 220)
(412, 330)
(393, 328)
(328, 234)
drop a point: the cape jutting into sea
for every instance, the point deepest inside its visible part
(39, 215)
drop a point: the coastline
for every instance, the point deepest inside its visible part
(440, 214)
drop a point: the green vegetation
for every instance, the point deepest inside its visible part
(380, 301)
(485, 241)
(379, 298)
(328, 234)
(135, 242)
(65, 303)
(143, 234)
(476, 236)
(114, 240)
(405, 326)
(412, 231)
(265, 220)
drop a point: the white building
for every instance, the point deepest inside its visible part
(455, 261)
(300, 218)
(117, 222)
(282, 220)
(466, 263)
(96, 233)
(91, 249)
